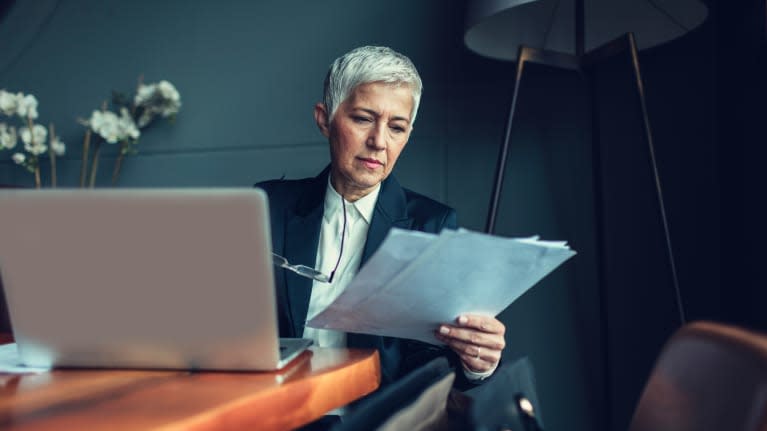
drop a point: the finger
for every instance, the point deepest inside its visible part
(472, 336)
(472, 351)
(487, 324)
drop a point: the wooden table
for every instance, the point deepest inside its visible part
(317, 382)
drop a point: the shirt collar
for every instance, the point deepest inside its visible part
(365, 205)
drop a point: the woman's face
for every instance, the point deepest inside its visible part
(367, 134)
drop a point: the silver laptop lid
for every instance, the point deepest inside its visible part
(158, 278)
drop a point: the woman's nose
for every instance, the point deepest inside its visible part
(377, 138)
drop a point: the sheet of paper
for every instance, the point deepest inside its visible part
(11, 363)
(416, 281)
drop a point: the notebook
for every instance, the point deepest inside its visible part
(142, 278)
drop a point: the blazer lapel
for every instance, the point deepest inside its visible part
(390, 211)
(302, 233)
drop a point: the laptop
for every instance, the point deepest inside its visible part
(142, 278)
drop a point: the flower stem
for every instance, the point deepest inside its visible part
(84, 165)
(133, 104)
(30, 126)
(95, 163)
(38, 183)
(52, 154)
(118, 163)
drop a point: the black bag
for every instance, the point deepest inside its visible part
(425, 401)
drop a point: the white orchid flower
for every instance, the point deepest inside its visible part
(126, 125)
(144, 94)
(26, 106)
(161, 99)
(168, 91)
(8, 138)
(34, 141)
(105, 123)
(169, 110)
(58, 146)
(7, 103)
(97, 120)
(146, 117)
(19, 158)
(36, 149)
(37, 136)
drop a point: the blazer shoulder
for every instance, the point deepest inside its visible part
(284, 191)
(282, 185)
(425, 210)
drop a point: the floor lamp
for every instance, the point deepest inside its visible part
(579, 35)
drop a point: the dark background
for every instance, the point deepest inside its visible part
(249, 73)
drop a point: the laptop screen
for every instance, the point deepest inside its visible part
(160, 278)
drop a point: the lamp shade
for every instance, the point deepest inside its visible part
(496, 28)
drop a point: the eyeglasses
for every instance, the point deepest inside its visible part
(307, 271)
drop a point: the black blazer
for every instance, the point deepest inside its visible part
(296, 208)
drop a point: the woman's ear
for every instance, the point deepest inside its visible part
(321, 118)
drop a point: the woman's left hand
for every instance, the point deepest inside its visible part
(478, 341)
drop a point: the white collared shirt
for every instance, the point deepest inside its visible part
(358, 217)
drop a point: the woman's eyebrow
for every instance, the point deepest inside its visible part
(378, 114)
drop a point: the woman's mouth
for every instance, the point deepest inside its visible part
(371, 163)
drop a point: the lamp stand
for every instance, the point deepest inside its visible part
(584, 65)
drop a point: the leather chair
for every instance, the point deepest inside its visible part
(709, 376)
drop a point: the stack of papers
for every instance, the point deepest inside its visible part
(417, 281)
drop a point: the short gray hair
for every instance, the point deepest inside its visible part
(370, 64)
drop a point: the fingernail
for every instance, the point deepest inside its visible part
(462, 320)
(444, 330)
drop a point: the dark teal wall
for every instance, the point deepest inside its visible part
(249, 74)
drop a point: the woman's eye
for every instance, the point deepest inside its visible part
(358, 119)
